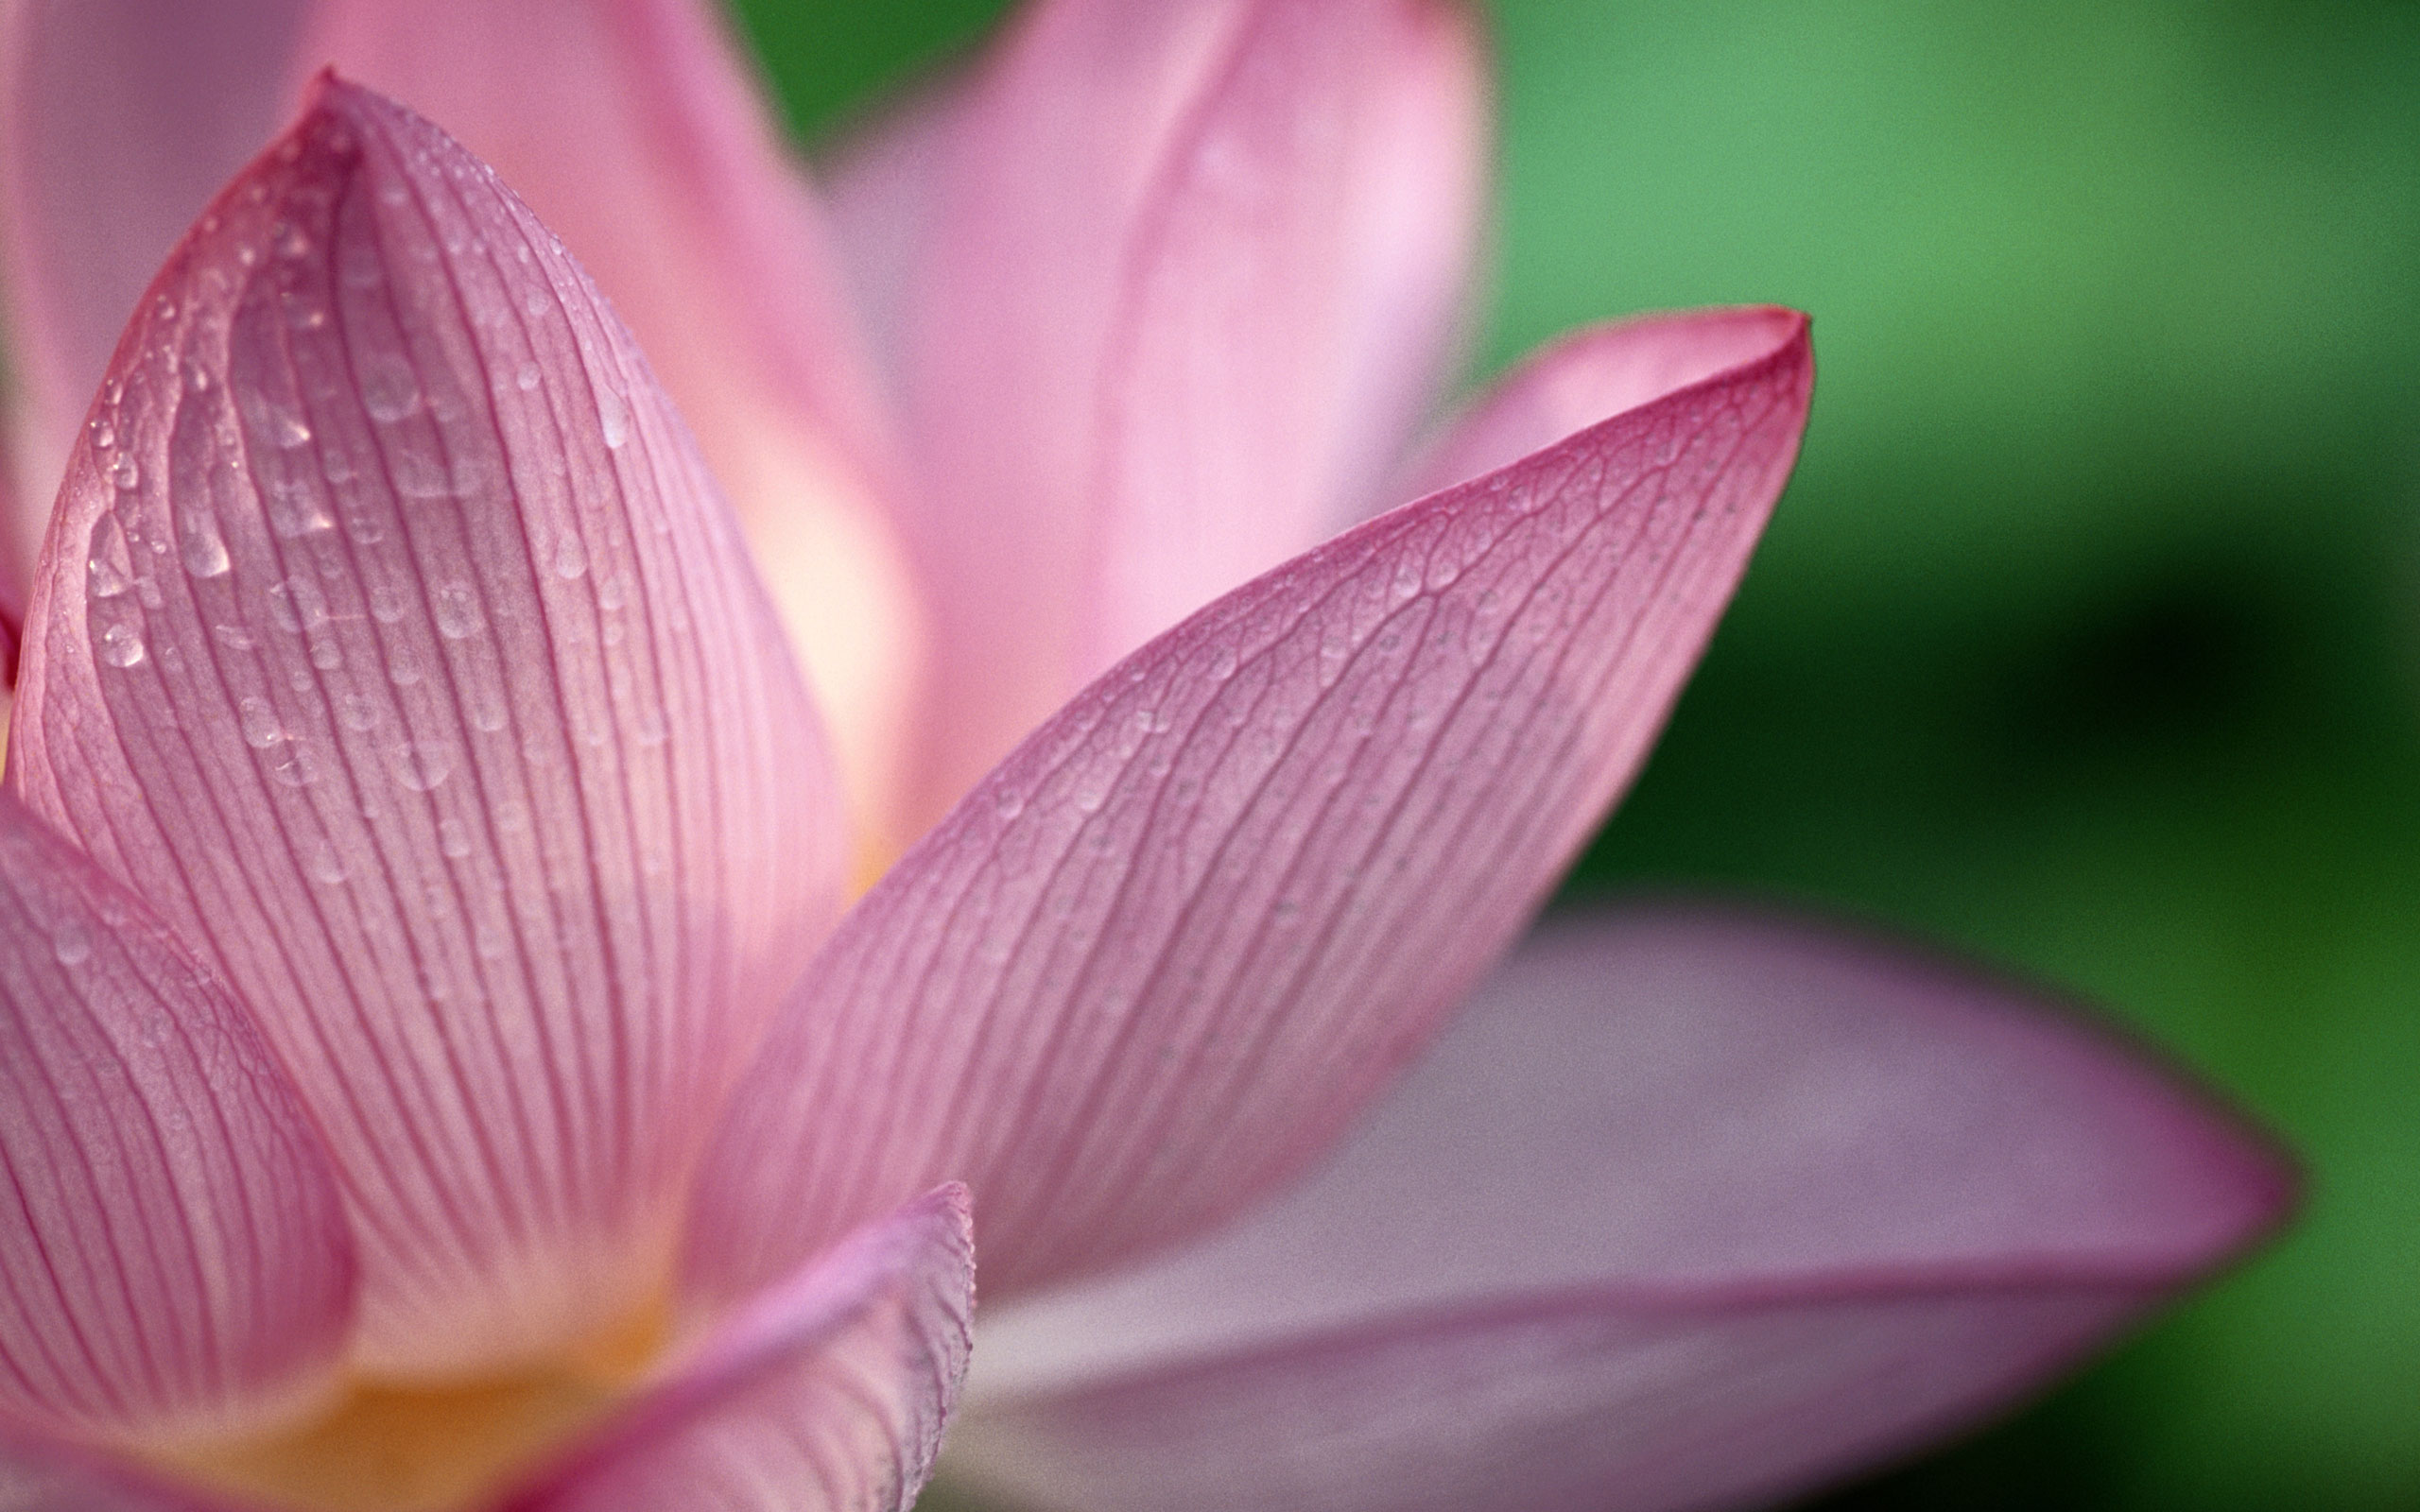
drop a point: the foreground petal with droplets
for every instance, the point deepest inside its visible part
(1155, 961)
(827, 1393)
(392, 643)
(1186, 275)
(1688, 1210)
(174, 1260)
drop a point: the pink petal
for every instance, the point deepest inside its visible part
(119, 122)
(1191, 276)
(1160, 957)
(1584, 376)
(173, 1253)
(393, 643)
(829, 1392)
(38, 1475)
(1688, 1210)
(634, 128)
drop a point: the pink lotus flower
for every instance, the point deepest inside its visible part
(435, 1075)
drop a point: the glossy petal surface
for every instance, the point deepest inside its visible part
(634, 128)
(46, 1476)
(1156, 959)
(118, 121)
(827, 1394)
(1295, 181)
(394, 644)
(173, 1254)
(1686, 1210)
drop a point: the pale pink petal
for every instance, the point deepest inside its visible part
(1155, 961)
(1190, 278)
(884, 186)
(1580, 378)
(634, 128)
(45, 1475)
(1289, 298)
(1686, 1210)
(393, 643)
(827, 1394)
(173, 1253)
(118, 121)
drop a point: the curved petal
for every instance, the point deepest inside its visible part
(1686, 1210)
(173, 1253)
(393, 643)
(1159, 958)
(828, 1393)
(1191, 275)
(42, 1475)
(634, 128)
(1580, 378)
(119, 122)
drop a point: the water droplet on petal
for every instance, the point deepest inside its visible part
(258, 722)
(423, 766)
(203, 551)
(457, 611)
(614, 417)
(121, 645)
(71, 943)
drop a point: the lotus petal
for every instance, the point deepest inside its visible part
(1188, 283)
(1159, 958)
(393, 643)
(634, 128)
(117, 123)
(827, 1394)
(1688, 1210)
(174, 1260)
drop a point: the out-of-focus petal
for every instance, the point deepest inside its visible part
(633, 130)
(827, 1394)
(392, 641)
(1190, 278)
(1688, 1210)
(44, 1475)
(118, 121)
(1156, 960)
(173, 1259)
(1585, 376)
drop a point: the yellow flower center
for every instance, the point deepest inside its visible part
(386, 1448)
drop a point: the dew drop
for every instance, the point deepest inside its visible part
(571, 555)
(327, 656)
(234, 636)
(453, 838)
(288, 431)
(71, 943)
(258, 722)
(204, 552)
(125, 472)
(297, 605)
(297, 766)
(457, 611)
(418, 475)
(389, 388)
(614, 417)
(386, 603)
(423, 766)
(358, 714)
(326, 866)
(107, 580)
(528, 379)
(121, 645)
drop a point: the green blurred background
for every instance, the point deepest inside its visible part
(2089, 636)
